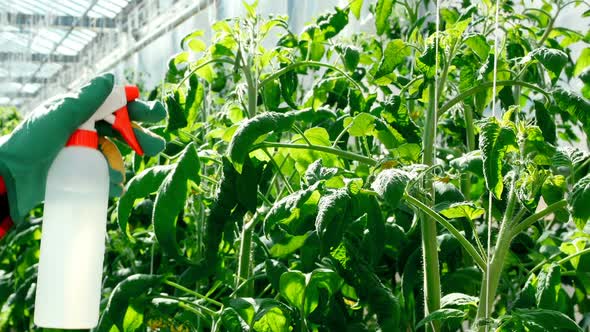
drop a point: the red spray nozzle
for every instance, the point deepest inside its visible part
(122, 122)
(131, 92)
(123, 126)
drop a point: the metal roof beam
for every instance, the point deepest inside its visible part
(65, 21)
(17, 94)
(25, 79)
(37, 57)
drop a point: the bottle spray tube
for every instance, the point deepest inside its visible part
(74, 222)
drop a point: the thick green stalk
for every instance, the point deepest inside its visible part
(521, 227)
(429, 242)
(477, 258)
(488, 290)
(245, 254)
(252, 88)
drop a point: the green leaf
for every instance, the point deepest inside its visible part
(171, 199)
(462, 210)
(574, 104)
(289, 83)
(131, 288)
(132, 320)
(316, 172)
(583, 61)
(141, 185)
(395, 54)
(351, 56)
(546, 122)
(383, 10)
(479, 45)
(251, 130)
(288, 207)
(543, 320)
(329, 223)
(495, 141)
(355, 8)
(286, 245)
(332, 23)
(548, 286)
(250, 8)
(194, 100)
(390, 184)
(320, 279)
(552, 59)
(442, 315)
(459, 300)
(292, 288)
(233, 322)
(361, 125)
(176, 116)
(578, 201)
(271, 94)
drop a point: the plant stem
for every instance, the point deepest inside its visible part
(193, 293)
(252, 88)
(217, 60)
(471, 250)
(327, 149)
(486, 85)
(470, 133)
(309, 63)
(489, 288)
(244, 258)
(429, 241)
(561, 261)
(521, 227)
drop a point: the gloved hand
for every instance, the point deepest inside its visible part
(28, 152)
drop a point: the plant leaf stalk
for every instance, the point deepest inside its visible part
(496, 265)
(431, 268)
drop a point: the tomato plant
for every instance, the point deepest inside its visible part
(320, 182)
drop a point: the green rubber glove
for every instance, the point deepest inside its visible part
(28, 152)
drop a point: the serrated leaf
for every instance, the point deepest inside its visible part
(552, 59)
(578, 201)
(383, 10)
(361, 125)
(390, 184)
(462, 210)
(548, 285)
(329, 222)
(479, 45)
(171, 199)
(442, 315)
(394, 54)
(458, 300)
(574, 104)
(495, 141)
(538, 320)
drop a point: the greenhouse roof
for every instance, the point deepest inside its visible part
(39, 37)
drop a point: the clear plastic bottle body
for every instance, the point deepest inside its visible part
(73, 240)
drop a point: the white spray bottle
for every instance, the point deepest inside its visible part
(74, 222)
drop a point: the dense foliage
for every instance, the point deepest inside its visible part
(314, 182)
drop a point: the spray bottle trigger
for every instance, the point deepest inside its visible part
(122, 124)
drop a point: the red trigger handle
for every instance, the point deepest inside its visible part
(123, 123)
